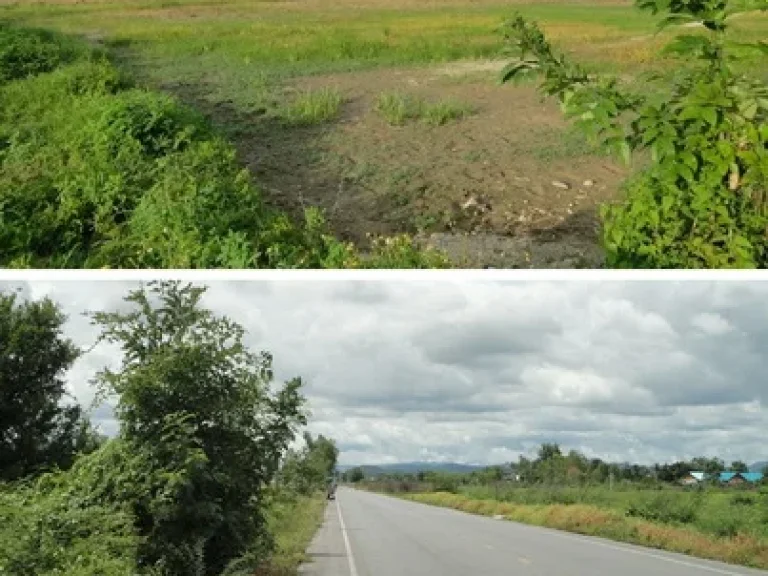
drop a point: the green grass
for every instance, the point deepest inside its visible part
(293, 525)
(397, 109)
(444, 111)
(222, 46)
(314, 107)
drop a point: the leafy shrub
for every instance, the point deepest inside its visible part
(156, 122)
(741, 499)
(47, 533)
(132, 179)
(94, 173)
(702, 201)
(26, 52)
(667, 508)
(721, 525)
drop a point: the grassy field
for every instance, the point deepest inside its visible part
(491, 174)
(727, 526)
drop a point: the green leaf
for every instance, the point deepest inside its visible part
(749, 110)
(625, 152)
(709, 115)
(685, 172)
(688, 44)
(514, 69)
(688, 159)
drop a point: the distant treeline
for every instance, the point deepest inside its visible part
(553, 467)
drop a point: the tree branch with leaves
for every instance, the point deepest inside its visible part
(702, 200)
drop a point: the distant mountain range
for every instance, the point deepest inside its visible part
(413, 467)
(758, 466)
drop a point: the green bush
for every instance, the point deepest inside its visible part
(26, 52)
(97, 174)
(132, 179)
(668, 508)
(47, 533)
(741, 499)
(703, 200)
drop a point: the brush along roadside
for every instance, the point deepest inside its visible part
(593, 521)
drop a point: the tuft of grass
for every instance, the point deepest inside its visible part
(398, 108)
(732, 546)
(314, 107)
(444, 111)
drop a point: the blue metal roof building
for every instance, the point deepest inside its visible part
(753, 477)
(725, 477)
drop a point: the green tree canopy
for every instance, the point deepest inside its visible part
(203, 423)
(38, 430)
(739, 466)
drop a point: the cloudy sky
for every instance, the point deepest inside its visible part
(481, 371)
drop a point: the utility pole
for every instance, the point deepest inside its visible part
(611, 481)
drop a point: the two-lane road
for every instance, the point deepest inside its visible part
(368, 534)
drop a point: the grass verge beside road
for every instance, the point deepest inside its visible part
(743, 549)
(293, 524)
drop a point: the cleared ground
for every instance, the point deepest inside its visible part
(505, 184)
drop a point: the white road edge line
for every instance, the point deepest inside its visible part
(350, 557)
(644, 553)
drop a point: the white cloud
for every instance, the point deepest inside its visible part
(484, 371)
(711, 324)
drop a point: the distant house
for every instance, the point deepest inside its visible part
(740, 478)
(752, 477)
(727, 478)
(730, 478)
(693, 478)
(688, 480)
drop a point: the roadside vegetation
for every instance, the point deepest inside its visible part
(643, 505)
(100, 173)
(198, 481)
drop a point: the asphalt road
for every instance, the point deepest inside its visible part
(367, 534)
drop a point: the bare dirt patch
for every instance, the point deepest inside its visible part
(507, 186)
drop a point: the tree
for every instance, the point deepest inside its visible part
(356, 474)
(310, 468)
(37, 431)
(739, 466)
(710, 466)
(202, 429)
(549, 452)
